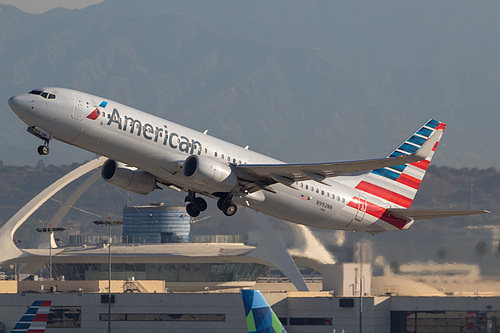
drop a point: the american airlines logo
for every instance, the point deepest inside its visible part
(150, 132)
(96, 113)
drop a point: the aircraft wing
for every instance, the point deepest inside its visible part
(287, 174)
(422, 214)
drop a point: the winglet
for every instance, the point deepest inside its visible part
(428, 145)
(259, 315)
(35, 319)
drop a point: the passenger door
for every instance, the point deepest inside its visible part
(78, 106)
(360, 214)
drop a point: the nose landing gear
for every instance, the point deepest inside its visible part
(44, 135)
(44, 149)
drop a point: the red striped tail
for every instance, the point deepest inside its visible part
(397, 186)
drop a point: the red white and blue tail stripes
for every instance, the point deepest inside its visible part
(35, 319)
(397, 186)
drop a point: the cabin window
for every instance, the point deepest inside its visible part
(239, 162)
(215, 154)
(234, 160)
(301, 184)
(312, 188)
(322, 192)
(343, 200)
(52, 96)
(229, 159)
(206, 150)
(307, 187)
(222, 156)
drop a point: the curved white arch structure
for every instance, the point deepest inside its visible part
(270, 250)
(8, 249)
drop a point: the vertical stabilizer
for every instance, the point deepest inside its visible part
(35, 318)
(259, 315)
(398, 185)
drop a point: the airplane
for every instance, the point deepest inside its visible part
(35, 318)
(146, 152)
(259, 315)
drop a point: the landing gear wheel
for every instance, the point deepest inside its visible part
(220, 203)
(192, 211)
(200, 204)
(229, 209)
(43, 150)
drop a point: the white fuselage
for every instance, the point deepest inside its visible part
(156, 146)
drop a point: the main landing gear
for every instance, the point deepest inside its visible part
(227, 205)
(197, 204)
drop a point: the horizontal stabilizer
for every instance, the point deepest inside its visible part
(422, 214)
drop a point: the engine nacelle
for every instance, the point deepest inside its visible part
(129, 178)
(217, 176)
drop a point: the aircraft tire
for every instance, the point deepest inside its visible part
(200, 204)
(43, 150)
(220, 203)
(192, 211)
(229, 209)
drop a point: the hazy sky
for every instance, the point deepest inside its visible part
(40, 6)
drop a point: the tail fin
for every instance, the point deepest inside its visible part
(399, 184)
(35, 318)
(260, 317)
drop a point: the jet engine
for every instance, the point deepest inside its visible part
(217, 176)
(129, 178)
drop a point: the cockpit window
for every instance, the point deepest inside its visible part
(43, 94)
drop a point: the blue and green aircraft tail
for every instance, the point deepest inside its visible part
(260, 317)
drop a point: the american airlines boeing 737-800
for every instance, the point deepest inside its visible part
(146, 152)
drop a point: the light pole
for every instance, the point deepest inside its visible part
(109, 223)
(361, 288)
(50, 230)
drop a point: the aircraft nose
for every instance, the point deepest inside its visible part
(18, 104)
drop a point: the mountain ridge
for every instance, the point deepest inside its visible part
(312, 89)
